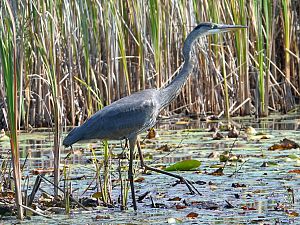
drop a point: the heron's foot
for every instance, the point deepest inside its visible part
(188, 183)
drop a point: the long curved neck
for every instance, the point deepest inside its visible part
(171, 91)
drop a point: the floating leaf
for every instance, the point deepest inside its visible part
(217, 136)
(171, 220)
(218, 172)
(3, 136)
(246, 208)
(42, 171)
(250, 131)
(192, 215)
(151, 134)
(164, 148)
(284, 145)
(174, 199)
(184, 165)
(293, 156)
(233, 133)
(272, 163)
(7, 194)
(295, 171)
(139, 179)
(97, 195)
(102, 217)
(174, 220)
(224, 156)
(293, 214)
(181, 206)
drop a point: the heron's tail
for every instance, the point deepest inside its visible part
(72, 137)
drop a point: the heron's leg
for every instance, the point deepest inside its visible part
(132, 142)
(138, 144)
(188, 183)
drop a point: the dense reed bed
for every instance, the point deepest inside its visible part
(76, 56)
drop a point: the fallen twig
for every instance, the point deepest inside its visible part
(77, 202)
(36, 212)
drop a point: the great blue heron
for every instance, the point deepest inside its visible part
(126, 118)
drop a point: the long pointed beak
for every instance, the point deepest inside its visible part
(222, 28)
(225, 27)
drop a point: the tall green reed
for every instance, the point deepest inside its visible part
(11, 77)
(239, 16)
(47, 48)
(260, 54)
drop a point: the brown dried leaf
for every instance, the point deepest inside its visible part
(7, 194)
(139, 179)
(297, 171)
(217, 136)
(181, 206)
(42, 171)
(151, 134)
(233, 133)
(218, 172)
(192, 215)
(102, 217)
(174, 199)
(284, 145)
(246, 208)
(164, 148)
(293, 214)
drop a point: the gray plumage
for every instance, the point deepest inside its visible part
(122, 119)
(131, 115)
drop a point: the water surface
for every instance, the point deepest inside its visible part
(258, 187)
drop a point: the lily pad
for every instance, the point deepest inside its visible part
(293, 156)
(97, 195)
(184, 165)
(4, 138)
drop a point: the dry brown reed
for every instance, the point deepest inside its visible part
(76, 56)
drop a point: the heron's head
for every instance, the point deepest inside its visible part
(204, 29)
(214, 28)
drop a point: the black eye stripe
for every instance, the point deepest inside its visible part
(198, 27)
(211, 26)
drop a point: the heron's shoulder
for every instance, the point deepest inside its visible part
(144, 94)
(148, 96)
(139, 101)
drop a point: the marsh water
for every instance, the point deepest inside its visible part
(260, 187)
